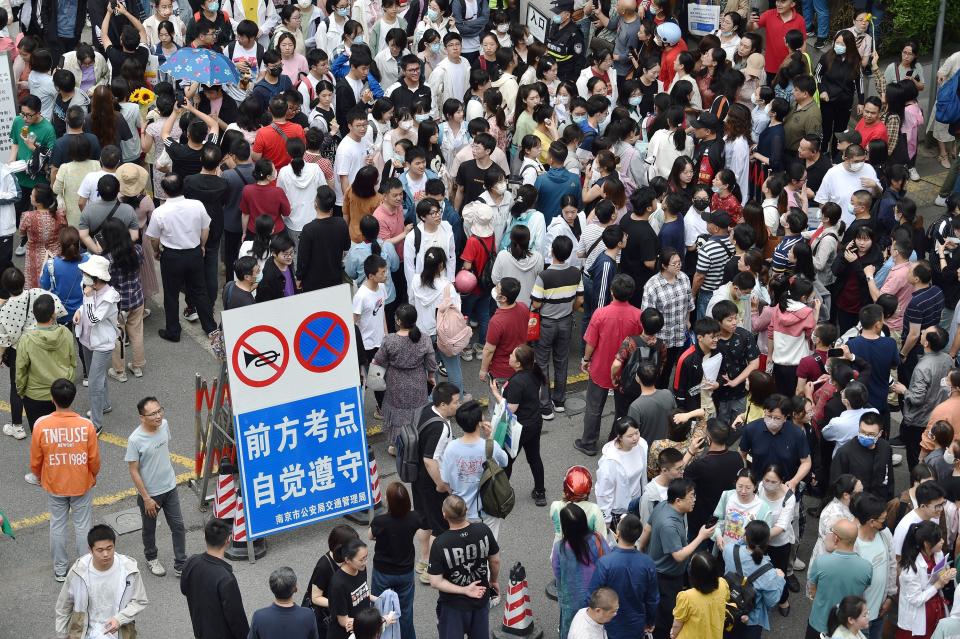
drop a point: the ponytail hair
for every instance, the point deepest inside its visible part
(526, 199)
(370, 229)
(917, 535)
(800, 288)
(850, 607)
(262, 169)
(757, 537)
(527, 360)
(295, 149)
(675, 118)
(729, 180)
(406, 317)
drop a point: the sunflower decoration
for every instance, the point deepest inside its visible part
(142, 96)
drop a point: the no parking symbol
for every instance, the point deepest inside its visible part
(322, 342)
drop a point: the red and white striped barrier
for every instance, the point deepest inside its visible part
(239, 523)
(517, 614)
(225, 498)
(374, 482)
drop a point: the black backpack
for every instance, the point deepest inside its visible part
(628, 375)
(743, 596)
(485, 277)
(408, 447)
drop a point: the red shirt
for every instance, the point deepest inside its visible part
(730, 204)
(776, 31)
(608, 327)
(264, 199)
(809, 369)
(476, 252)
(271, 146)
(875, 131)
(506, 331)
(667, 60)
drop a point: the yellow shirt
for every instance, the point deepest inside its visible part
(702, 615)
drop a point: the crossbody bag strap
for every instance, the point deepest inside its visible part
(109, 217)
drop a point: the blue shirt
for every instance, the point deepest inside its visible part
(781, 261)
(785, 449)
(601, 273)
(882, 355)
(279, 622)
(672, 234)
(634, 577)
(551, 187)
(925, 309)
(360, 251)
(65, 283)
(769, 585)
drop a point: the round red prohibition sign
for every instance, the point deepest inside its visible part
(321, 342)
(263, 349)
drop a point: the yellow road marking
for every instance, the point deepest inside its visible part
(103, 500)
(121, 442)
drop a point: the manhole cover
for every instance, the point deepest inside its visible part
(125, 521)
(575, 405)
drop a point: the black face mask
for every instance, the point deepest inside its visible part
(275, 70)
(701, 205)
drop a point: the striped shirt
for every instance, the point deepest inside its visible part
(590, 241)
(556, 289)
(711, 258)
(781, 260)
(925, 308)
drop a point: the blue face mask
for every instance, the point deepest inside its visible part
(258, 277)
(433, 15)
(635, 100)
(358, 40)
(839, 49)
(866, 441)
(421, 117)
(715, 189)
(557, 19)
(579, 118)
(435, 47)
(343, 13)
(213, 6)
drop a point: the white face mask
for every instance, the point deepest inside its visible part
(855, 167)
(502, 28)
(563, 100)
(949, 457)
(87, 280)
(407, 125)
(945, 383)
(500, 188)
(528, 40)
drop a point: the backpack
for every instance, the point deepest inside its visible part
(497, 497)
(743, 596)
(408, 447)
(485, 277)
(628, 375)
(948, 101)
(453, 330)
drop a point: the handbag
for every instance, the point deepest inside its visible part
(506, 429)
(376, 378)
(5, 358)
(533, 326)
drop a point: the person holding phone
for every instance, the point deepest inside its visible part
(849, 267)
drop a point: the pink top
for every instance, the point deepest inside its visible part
(391, 225)
(897, 284)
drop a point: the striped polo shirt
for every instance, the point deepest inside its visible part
(556, 289)
(712, 255)
(925, 308)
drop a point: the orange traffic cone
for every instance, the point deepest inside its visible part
(238, 548)
(517, 615)
(376, 497)
(225, 498)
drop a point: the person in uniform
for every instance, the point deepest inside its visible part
(566, 44)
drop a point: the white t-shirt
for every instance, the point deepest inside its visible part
(368, 304)
(901, 531)
(417, 188)
(384, 29)
(103, 597)
(88, 187)
(839, 184)
(693, 226)
(583, 627)
(356, 85)
(351, 156)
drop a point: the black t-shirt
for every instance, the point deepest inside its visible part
(470, 179)
(320, 256)
(816, 171)
(61, 148)
(711, 474)
(432, 441)
(236, 297)
(58, 120)
(524, 389)
(322, 575)
(647, 94)
(185, 161)
(731, 268)
(117, 56)
(394, 553)
(642, 246)
(212, 191)
(348, 595)
(461, 557)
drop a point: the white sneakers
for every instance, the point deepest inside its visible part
(14, 430)
(117, 376)
(897, 459)
(30, 478)
(914, 174)
(136, 370)
(156, 568)
(940, 201)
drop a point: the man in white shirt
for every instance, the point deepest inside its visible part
(930, 500)
(853, 174)
(354, 151)
(388, 58)
(450, 78)
(588, 622)
(109, 161)
(846, 425)
(180, 228)
(369, 302)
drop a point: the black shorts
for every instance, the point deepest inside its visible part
(429, 503)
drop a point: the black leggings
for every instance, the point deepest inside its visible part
(780, 558)
(836, 117)
(16, 406)
(530, 444)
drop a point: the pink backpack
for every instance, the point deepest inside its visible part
(453, 330)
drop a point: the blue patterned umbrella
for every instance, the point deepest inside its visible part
(201, 65)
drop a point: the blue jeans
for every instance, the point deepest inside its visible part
(876, 628)
(703, 300)
(822, 10)
(404, 586)
(454, 375)
(477, 308)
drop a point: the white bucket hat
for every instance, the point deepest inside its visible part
(96, 266)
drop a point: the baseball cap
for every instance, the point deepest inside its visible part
(850, 136)
(720, 219)
(706, 120)
(562, 5)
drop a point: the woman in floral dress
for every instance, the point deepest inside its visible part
(42, 227)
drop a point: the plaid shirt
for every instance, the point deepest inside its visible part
(675, 301)
(128, 284)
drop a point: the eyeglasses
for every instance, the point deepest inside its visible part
(937, 506)
(28, 115)
(287, 254)
(156, 413)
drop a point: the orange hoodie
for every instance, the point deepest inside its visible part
(64, 453)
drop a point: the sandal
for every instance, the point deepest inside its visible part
(944, 161)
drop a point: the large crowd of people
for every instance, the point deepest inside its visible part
(722, 220)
